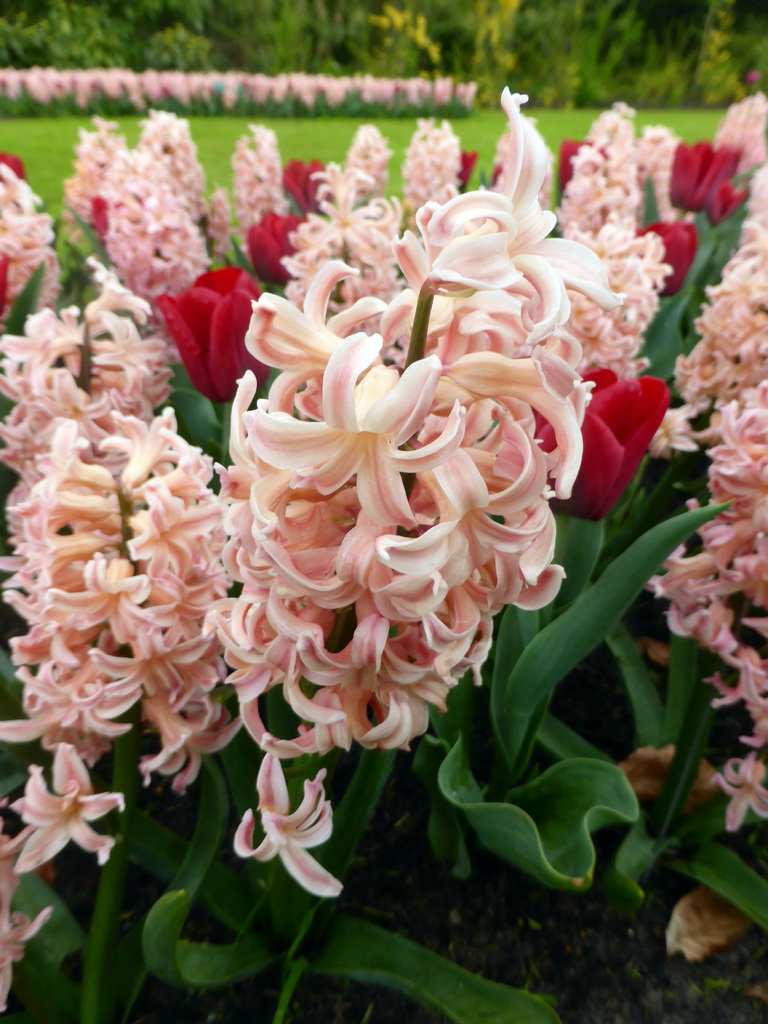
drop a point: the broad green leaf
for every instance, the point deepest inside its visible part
(26, 302)
(196, 418)
(205, 845)
(197, 964)
(49, 995)
(664, 340)
(226, 894)
(518, 707)
(363, 951)
(726, 873)
(650, 205)
(445, 827)
(636, 854)
(458, 717)
(647, 709)
(61, 935)
(209, 834)
(545, 826)
(560, 741)
(682, 676)
(576, 549)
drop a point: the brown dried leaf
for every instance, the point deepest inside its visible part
(647, 767)
(655, 650)
(759, 991)
(703, 923)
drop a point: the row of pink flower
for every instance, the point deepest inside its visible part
(144, 88)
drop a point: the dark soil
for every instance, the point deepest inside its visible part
(599, 965)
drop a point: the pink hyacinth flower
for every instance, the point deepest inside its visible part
(742, 779)
(65, 813)
(288, 836)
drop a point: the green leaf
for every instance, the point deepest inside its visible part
(26, 302)
(682, 677)
(636, 854)
(520, 700)
(545, 826)
(226, 894)
(726, 873)
(49, 995)
(363, 951)
(196, 418)
(197, 964)
(61, 935)
(650, 205)
(92, 238)
(664, 340)
(647, 709)
(445, 828)
(560, 741)
(206, 843)
(240, 259)
(576, 549)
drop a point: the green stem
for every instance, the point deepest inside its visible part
(226, 426)
(83, 379)
(98, 991)
(418, 342)
(297, 969)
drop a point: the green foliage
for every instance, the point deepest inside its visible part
(177, 49)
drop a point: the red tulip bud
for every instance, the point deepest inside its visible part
(300, 186)
(680, 243)
(619, 424)
(208, 322)
(568, 150)
(698, 170)
(724, 201)
(468, 161)
(100, 216)
(4, 261)
(268, 241)
(15, 163)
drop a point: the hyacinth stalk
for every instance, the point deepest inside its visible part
(98, 987)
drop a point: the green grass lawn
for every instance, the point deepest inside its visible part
(47, 144)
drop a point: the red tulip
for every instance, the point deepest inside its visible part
(15, 163)
(299, 184)
(697, 172)
(568, 150)
(724, 201)
(4, 261)
(268, 242)
(100, 216)
(619, 424)
(208, 322)
(468, 161)
(680, 243)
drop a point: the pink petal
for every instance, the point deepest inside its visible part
(308, 873)
(271, 785)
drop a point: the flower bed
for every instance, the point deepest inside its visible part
(429, 420)
(114, 91)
